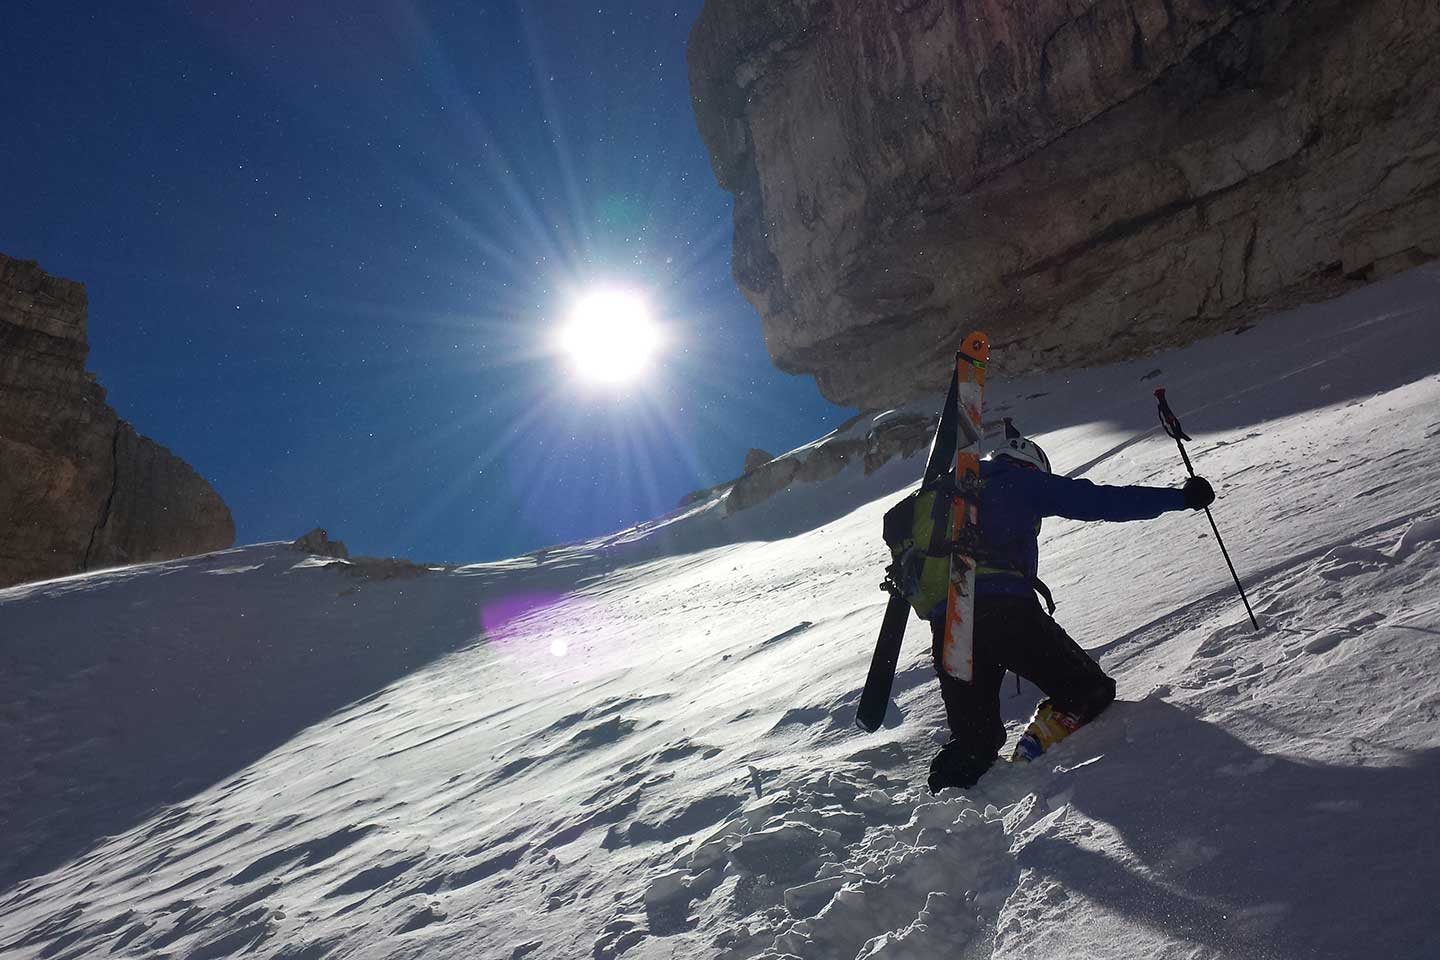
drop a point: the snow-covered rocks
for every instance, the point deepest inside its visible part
(317, 542)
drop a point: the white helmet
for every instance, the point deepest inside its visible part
(1018, 447)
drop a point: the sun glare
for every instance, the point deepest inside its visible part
(610, 337)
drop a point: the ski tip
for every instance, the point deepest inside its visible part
(977, 347)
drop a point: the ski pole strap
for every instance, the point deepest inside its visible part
(1171, 425)
(1168, 421)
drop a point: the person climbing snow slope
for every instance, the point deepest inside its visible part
(1011, 631)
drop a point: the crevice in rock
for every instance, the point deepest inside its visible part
(1201, 57)
(109, 497)
(1137, 41)
(1169, 6)
(1114, 231)
(1246, 260)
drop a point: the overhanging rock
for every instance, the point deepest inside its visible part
(1085, 181)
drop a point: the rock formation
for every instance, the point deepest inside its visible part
(1084, 179)
(318, 543)
(755, 458)
(869, 439)
(79, 488)
(335, 554)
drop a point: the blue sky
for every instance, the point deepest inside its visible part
(326, 248)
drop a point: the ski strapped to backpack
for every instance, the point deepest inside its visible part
(918, 532)
(957, 653)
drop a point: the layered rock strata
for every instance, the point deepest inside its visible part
(1086, 180)
(79, 488)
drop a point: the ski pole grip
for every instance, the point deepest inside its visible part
(1168, 420)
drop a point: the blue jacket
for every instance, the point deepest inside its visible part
(1014, 499)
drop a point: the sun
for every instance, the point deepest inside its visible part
(610, 336)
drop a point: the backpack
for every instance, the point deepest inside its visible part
(917, 529)
(919, 572)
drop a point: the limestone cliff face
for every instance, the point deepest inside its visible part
(79, 489)
(1083, 179)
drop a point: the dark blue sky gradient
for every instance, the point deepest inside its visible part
(325, 245)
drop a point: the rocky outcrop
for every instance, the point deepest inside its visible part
(79, 488)
(871, 440)
(326, 553)
(762, 484)
(318, 543)
(1086, 180)
(756, 458)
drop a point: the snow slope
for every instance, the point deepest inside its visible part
(642, 746)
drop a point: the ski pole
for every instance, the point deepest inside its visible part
(1171, 425)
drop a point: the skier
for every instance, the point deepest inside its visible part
(1011, 631)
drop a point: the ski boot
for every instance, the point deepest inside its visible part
(1048, 727)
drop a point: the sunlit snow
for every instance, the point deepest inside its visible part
(244, 754)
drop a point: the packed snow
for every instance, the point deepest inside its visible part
(643, 746)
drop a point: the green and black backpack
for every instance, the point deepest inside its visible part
(916, 531)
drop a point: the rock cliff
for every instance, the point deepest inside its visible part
(79, 488)
(1083, 179)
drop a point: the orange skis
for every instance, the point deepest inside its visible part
(957, 657)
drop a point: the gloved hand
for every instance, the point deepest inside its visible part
(1198, 493)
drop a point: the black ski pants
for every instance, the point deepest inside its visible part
(1013, 633)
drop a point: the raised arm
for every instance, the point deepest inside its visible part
(1082, 500)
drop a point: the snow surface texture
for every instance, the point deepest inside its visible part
(642, 746)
